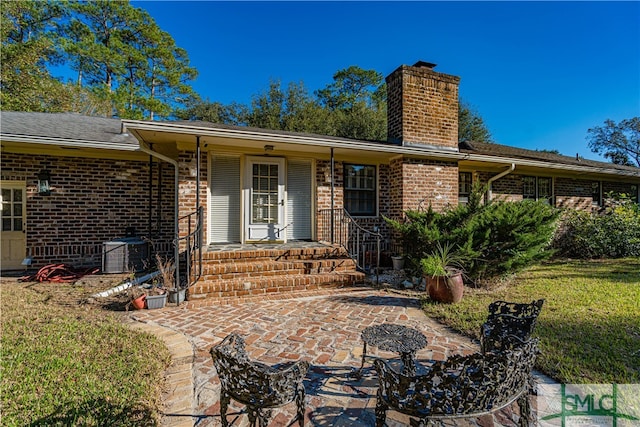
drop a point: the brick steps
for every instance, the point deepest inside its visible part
(242, 287)
(245, 273)
(325, 252)
(231, 270)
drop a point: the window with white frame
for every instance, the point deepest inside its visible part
(465, 181)
(537, 188)
(360, 190)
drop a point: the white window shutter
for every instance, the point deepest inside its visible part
(225, 199)
(299, 200)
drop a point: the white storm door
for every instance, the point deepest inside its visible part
(264, 199)
(14, 237)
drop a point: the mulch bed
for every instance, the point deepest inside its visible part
(74, 294)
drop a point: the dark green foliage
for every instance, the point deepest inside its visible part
(495, 239)
(614, 233)
(126, 65)
(471, 126)
(504, 237)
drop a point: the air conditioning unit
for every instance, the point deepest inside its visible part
(128, 254)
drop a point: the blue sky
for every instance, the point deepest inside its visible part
(539, 73)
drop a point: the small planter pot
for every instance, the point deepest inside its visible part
(177, 296)
(398, 262)
(156, 301)
(138, 303)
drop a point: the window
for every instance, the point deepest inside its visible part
(596, 194)
(634, 193)
(464, 186)
(529, 187)
(360, 190)
(537, 188)
(545, 189)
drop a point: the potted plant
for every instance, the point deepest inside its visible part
(137, 298)
(398, 262)
(443, 273)
(167, 274)
(156, 297)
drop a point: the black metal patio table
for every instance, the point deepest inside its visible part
(395, 338)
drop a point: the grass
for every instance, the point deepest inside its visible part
(589, 327)
(74, 365)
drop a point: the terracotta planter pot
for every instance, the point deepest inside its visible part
(446, 289)
(138, 303)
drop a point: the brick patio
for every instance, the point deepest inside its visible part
(323, 329)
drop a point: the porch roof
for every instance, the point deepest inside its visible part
(489, 156)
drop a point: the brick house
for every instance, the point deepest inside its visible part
(276, 208)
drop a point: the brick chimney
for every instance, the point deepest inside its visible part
(422, 106)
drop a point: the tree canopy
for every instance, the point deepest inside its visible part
(125, 64)
(618, 142)
(25, 82)
(354, 106)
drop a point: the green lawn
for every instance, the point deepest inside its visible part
(74, 365)
(589, 327)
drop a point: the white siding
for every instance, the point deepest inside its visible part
(299, 200)
(225, 199)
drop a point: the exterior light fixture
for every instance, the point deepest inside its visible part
(44, 185)
(268, 148)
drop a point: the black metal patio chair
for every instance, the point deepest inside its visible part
(506, 320)
(459, 387)
(258, 386)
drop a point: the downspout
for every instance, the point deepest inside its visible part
(197, 172)
(176, 254)
(198, 219)
(150, 201)
(332, 191)
(495, 178)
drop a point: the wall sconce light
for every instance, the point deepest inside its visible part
(268, 148)
(44, 186)
(327, 175)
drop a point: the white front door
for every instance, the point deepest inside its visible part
(265, 199)
(14, 237)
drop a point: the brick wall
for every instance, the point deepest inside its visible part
(573, 193)
(92, 201)
(427, 182)
(187, 178)
(568, 192)
(508, 187)
(422, 107)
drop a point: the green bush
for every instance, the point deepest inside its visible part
(614, 233)
(495, 239)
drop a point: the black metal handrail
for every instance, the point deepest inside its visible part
(192, 249)
(364, 246)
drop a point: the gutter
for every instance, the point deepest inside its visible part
(75, 143)
(489, 194)
(145, 149)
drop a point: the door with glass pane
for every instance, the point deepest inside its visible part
(14, 235)
(264, 199)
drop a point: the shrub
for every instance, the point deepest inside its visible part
(504, 237)
(613, 233)
(496, 238)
